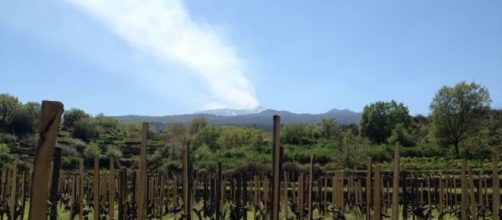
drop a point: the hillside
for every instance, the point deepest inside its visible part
(262, 120)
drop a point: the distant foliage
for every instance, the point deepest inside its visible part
(198, 124)
(296, 134)
(207, 136)
(232, 137)
(17, 118)
(4, 149)
(85, 129)
(72, 117)
(114, 152)
(329, 128)
(8, 107)
(379, 119)
(402, 135)
(92, 150)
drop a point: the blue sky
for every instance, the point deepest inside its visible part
(180, 56)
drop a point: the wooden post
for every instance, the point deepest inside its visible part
(55, 182)
(485, 182)
(141, 187)
(377, 215)
(441, 205)
(218, 193)
(463, 197)
(447, 191)
(48, 127)
(341, 188)
(325, 195)
(286, 202)
(472, 198)
(395, 184)
(95, 188)
(293, 189)
(256, 187)
(276, 174)
(266, 193)
(496, 185)
(81, 190)
(311, 181)
(162, 194)
(23, 193)
(338, 190)
(301, 193)
(13, 184)
(123, 195)
(187, 198)
(480, 193)
(429, 194)
(334, 192)
(404, 181)
(111, 191)
(368, 189)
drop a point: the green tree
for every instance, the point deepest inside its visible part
(114, 152)
(208, 136)
(85, 129)
(71, 117)
(176, 137)
(110, 126)
(402, 135)
(329, 127)
(23, 122)
(379, 119)
(198, 124)
(4, 149)
(9, 105)
(295, 134)
(458, 112)
(351, 152)
(92, 150)
(34, 109)
(231, 137)
(494, 126)
(314, 131)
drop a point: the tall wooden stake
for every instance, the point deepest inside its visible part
(276, 160)
(81, 190)
(141, 200)
(463, 210)
(285, 199)
(95, 188)
(311, 181)
(368, 189)
(111, 191)
(13, 184)
(123, 195)
(377, 215)
(301, 194)
(187, 197)
(218, 193)
(395, 184)
(48, 127)
(472, 198)
(496, 185)
(55, 182)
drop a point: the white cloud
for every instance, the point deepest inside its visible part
(164, 28)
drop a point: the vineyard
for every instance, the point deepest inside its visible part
(118, 192)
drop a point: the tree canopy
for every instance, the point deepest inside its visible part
(458, 111)
(379, 120)
(71, 117)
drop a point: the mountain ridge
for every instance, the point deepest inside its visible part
(261, 119)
